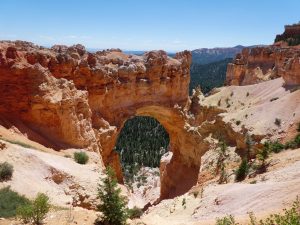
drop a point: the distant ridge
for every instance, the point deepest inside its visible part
(209, 55)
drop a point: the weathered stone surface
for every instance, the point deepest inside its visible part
(54, 108)
(73, 98)
(265, 63)
(290, 36)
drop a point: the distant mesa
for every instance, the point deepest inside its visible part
(290, 36)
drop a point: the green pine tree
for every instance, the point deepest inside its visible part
(112, 205)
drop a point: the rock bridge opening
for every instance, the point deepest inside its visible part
(141, 144)
(179, 172)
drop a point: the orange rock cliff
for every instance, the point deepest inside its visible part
(265, 63)
(67, 97)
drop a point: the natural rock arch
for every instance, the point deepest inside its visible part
(180, 173)
(67, 97)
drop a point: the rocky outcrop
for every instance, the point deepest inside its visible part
(73, 98)
(76, 99)
(264, 63)
(290, 36)
(52, 107)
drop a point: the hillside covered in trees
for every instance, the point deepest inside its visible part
(208, 75)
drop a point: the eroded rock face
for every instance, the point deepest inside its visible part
(51, 107)
(73, 98)
(265, 63)
(290, 36)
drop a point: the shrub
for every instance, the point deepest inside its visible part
(24, 213)
(81, 157)
(6, 171)
(221, 166)
(183, 203)
(112, 206)
(238, 122)
(262, 155)
(247, 94)
(252, 218)
(298, 128)
(249, 145)
(135, 213)
(227, 102)
(275, 147)
(273, 99)
(290, 217)
(35, 211)
(40, 208)
(227, 220)
(242, 171)
(277, 122)
(291, 144)
(196, 193)
(297, 140)
(9, 201)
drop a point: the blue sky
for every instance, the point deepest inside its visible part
(142, 25)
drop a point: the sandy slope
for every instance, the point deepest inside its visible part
(272, 192)
(257, 106)
(60, 177)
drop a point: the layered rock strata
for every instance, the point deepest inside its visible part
(265, 63)
(71, 98)
(66, 97)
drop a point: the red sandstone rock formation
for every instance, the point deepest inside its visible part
(69, 97)
(290, 36)
(265, 63)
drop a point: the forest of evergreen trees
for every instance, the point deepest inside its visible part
(142, 142)
(208, 76)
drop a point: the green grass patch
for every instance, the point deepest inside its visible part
(10, 201)
(18, 143)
